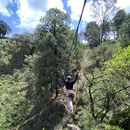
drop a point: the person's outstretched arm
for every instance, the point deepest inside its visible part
(63, 77)
(75, 77)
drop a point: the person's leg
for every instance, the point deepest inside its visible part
(69, 101)
(69, 104)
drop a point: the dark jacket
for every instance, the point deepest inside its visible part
(69, 83)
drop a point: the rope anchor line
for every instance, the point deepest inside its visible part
(31, 118)
(74, 43)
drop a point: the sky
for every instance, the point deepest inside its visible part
(23, 15)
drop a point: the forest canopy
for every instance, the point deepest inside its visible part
(31, 65)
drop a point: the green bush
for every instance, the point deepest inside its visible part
(107, 127)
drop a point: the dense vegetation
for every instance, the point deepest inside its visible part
(30, 66)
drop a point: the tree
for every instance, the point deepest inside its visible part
(5, 56)
(21, 46)
(118, 20)
(124, 30)
(92, 34)
(4, 28)
(105, 27)
(26, 37)
(103, 11)
(53, 37)
(98, 55)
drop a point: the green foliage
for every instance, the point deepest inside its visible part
(121, 118)
(118, 20)
(107, 127)
(120, 62)
(19, 49)
(105, 79)
(124, 31)
(104, 31)
(14, 106)
(13, 54)
(4, 28)
(92, 34)
(15, 99)
(97, 56)
(24, 38)
(84, 119)
(5, 55)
